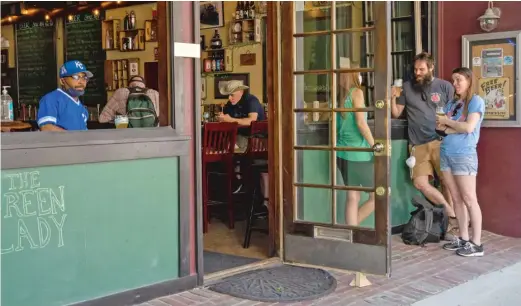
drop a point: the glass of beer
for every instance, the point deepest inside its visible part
(121, 122)
(439, 111)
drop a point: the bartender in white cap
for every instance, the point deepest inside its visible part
(242, 108)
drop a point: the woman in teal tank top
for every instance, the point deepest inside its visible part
(357, 168)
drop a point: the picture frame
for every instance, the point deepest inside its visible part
(211, 14)
(496, 63)
(219, 78)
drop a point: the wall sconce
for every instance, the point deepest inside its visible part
(489, 21)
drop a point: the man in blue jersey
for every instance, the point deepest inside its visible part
(61, 109)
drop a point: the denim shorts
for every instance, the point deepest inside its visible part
(460, 165)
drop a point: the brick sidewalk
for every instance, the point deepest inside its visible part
(417, 273)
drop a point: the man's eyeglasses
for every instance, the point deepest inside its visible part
(78, 77)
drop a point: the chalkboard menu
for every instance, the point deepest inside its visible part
(83, 43)
(37, 72)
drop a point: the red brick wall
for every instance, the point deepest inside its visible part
(499, 149)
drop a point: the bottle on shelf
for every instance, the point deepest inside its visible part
(246, 10)
(238, 11)
(7, 105)
(108, 40)
(126, 22)
(216, 42)
(252, 10)
(214, 63)
(241, 11)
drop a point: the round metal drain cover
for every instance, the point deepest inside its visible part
(278, 284)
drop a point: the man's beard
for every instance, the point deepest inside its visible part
(421, 85)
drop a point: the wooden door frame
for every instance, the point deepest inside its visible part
(274, 149)
(373, 242)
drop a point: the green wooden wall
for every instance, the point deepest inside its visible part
(77, 232)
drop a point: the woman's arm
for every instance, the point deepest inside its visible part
(467, 126)
(476, 109)
(361, 120)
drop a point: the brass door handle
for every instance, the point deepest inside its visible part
(378, 147)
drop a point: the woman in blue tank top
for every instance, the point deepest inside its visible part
(459, 160)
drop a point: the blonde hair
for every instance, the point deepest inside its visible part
(347, 81)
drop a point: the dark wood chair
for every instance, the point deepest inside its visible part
(218, 146)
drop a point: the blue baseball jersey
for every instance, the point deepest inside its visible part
(60, 109)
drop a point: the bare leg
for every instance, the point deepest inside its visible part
(265, 187)
(467, 187)
(366, 209)
(459, 206)
(434, 195)
(353, 198)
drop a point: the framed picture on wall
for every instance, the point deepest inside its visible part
(494, 59)
(221, 79)
(211, 14)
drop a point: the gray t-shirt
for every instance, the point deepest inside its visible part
(421, 111)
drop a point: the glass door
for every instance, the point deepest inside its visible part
(335, 179)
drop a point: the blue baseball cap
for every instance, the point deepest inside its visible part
(74, 67)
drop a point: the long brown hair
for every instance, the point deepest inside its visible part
(471, 91)
(347, 82)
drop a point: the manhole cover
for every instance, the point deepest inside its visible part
(278, 284)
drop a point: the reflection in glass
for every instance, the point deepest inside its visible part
(314, 204)
(349, 14)
(313, 52)
(313, 167)
(357, 48)
(402, 9)
(312, 16)
(352, 130)
(360, 210)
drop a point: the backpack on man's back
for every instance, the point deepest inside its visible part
(428, 223)
(140, 109)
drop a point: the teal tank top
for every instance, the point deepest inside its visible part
(348, 134)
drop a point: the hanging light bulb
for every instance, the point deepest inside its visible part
(95, 12)
(490, 20)
(47, 17)
(70, 17)
(9, 18)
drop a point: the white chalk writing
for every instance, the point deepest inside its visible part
(32, 215)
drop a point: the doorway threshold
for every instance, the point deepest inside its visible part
(212, 278)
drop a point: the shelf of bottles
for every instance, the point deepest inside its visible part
(246, 27)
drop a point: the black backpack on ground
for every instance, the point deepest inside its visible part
(428, 223)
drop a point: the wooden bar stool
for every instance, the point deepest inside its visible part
(257, 150)
(218, 146)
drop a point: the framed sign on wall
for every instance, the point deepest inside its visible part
(495, 61)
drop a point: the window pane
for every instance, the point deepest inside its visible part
(311, 16)
(313, 167)
(349, 14)
(314, 204)
(360, 208)
(402, 8)
(313, 52)
(355, 50)
(310, 88)
(310, 132)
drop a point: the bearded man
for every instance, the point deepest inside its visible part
(421, 96)
(61, 109)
